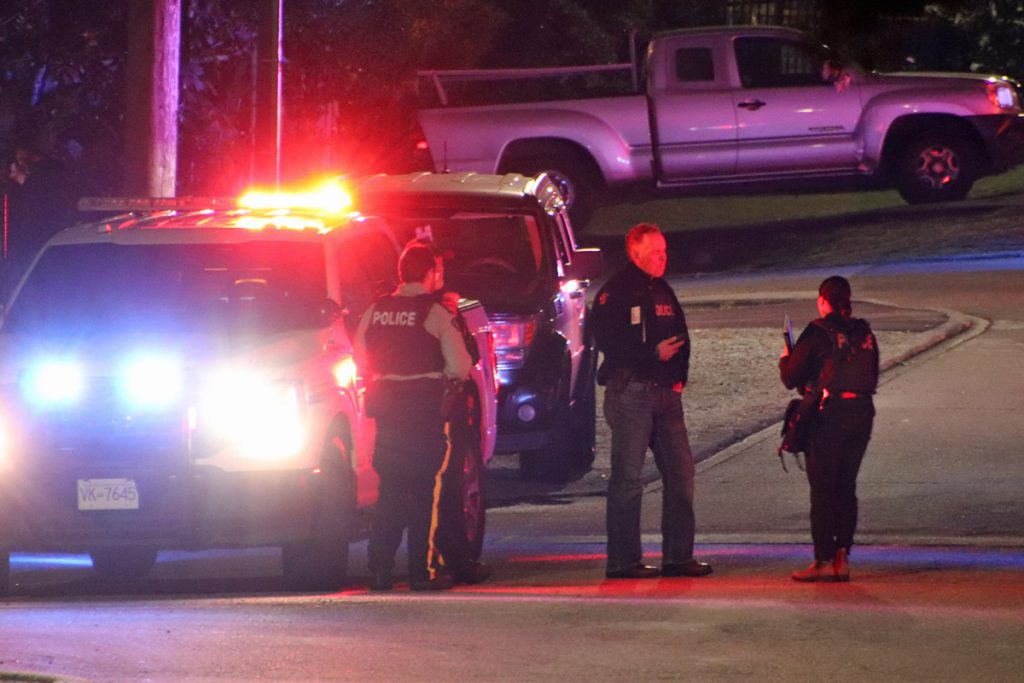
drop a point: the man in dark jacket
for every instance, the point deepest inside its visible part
(836, 358)
(641, 330)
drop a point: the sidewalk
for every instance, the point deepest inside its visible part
(944, 465)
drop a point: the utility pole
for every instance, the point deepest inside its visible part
(151, 138)
(269, 59)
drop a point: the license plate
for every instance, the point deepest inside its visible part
(107, 494)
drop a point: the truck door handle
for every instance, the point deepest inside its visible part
(752, 105)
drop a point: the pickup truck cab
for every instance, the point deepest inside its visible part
(182, 377)
(751, 107)
(512, 247)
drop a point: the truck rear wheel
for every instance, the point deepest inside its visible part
(321, 561)
(936, 167)
(575, 179)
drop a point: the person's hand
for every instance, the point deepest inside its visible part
(667, 348)
(785, 352)
(450, 300)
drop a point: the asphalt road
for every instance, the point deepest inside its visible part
(938, 575)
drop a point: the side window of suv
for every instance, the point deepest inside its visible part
(369, 268)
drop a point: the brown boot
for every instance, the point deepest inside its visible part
(841, 565)
(818, 571)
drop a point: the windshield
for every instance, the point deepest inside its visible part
(481, 244)
(245, 288)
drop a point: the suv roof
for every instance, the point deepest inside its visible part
(511, 188)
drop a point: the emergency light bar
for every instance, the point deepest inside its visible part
(330, 198)
(129, 204)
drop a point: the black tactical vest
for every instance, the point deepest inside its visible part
(853, 364)
(396, 341)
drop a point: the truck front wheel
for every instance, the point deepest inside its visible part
(936, 167)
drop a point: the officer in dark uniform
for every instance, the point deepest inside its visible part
(411, 350)
(836, 357)
(640, 328)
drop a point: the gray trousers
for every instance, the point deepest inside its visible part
(641, 416)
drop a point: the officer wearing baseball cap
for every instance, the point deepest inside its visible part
(409, 347)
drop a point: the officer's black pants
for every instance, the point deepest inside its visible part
(838, 440)
(409, 452)
(452, 537)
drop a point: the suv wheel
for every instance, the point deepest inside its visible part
(321, 561)
(123, 564)
(474, 500)
(554, 463)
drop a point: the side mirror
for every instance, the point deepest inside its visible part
(330, 311)
(587, 264)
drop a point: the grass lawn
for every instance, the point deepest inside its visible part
(694, 213)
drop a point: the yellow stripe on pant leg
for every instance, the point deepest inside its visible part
(432, 551)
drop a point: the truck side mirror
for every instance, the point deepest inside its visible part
(330, 311)
(587, 264)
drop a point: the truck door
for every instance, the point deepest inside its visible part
(693, 118)
(791, 118)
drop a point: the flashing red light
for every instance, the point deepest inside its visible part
(330, 197)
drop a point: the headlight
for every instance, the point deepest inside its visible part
(53, 382)
(151, 381)
(261, 418)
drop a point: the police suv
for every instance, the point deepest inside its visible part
(181, 377)
(512, 247)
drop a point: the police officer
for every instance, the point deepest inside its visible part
(411, 350)
(837, 357)
(641, 330)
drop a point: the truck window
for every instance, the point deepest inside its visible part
(765, 62)
(694, 64)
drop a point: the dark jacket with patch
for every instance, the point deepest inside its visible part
(632, 313)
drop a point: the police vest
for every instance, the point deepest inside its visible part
(396, 341)
(852, 366)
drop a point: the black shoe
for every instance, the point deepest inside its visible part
(441, 582)
(640, 571)
(473, 572)
(691, 568)
(381, 580)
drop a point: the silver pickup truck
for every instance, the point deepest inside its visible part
(743, 106)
